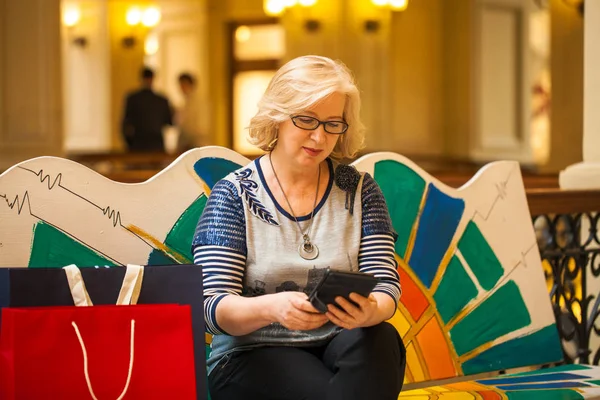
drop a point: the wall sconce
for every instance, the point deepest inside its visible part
(372, 25)
(135, 16)
(312, 25)
(71, 17)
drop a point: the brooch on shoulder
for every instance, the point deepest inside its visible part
(347, 178)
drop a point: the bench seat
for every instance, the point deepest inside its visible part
(566, 382)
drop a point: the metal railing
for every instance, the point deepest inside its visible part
(566, 225)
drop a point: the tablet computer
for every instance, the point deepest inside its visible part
(340, 283)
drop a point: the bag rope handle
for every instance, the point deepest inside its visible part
(85, 360)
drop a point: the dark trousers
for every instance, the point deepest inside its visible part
(358, 364)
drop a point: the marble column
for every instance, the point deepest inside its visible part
(87, 80)
(30, 80)
(586, 174)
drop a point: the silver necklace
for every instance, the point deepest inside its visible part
(307, 249)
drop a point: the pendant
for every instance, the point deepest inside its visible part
(308, 251)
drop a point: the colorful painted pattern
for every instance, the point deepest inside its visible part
(569, 382)
(46, 199)
(474, 298)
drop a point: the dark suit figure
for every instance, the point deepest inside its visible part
(146, 113)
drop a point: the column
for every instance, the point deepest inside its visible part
(502, 81)
(586, 174)
(30, 80)
(86, 79)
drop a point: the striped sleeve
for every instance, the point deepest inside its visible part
(376, 254)
(219, 247)
(222, 274)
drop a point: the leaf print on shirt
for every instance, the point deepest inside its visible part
(247, 192)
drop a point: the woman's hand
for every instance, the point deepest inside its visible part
(349, 316)
(294, 311)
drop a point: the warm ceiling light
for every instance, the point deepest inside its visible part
(242, 34)
(274, 7)
(289, 3)
(380, 3)
(133, 16)
(71, 16)
(151, 17)
(398, 5)
(307, 3)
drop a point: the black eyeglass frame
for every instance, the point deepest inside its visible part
(319, 123)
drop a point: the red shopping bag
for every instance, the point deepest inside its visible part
(99, 352)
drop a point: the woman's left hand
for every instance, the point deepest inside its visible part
(349, 316)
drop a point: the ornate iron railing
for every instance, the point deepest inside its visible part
(566, 225)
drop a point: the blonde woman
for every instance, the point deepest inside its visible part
(271, 228)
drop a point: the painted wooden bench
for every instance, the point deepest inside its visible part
(474, 295)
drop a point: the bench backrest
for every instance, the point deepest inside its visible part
(474, 295)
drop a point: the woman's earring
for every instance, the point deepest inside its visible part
(272, 144)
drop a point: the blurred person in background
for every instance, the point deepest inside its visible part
(187, 118)
(145, 116)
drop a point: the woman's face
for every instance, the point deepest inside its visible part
(311, 147)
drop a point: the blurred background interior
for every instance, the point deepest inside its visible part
(451, 84)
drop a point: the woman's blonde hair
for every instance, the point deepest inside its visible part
(297, 86)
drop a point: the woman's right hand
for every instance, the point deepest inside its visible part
(294, 311)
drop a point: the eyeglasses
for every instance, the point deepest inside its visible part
(311, 123)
